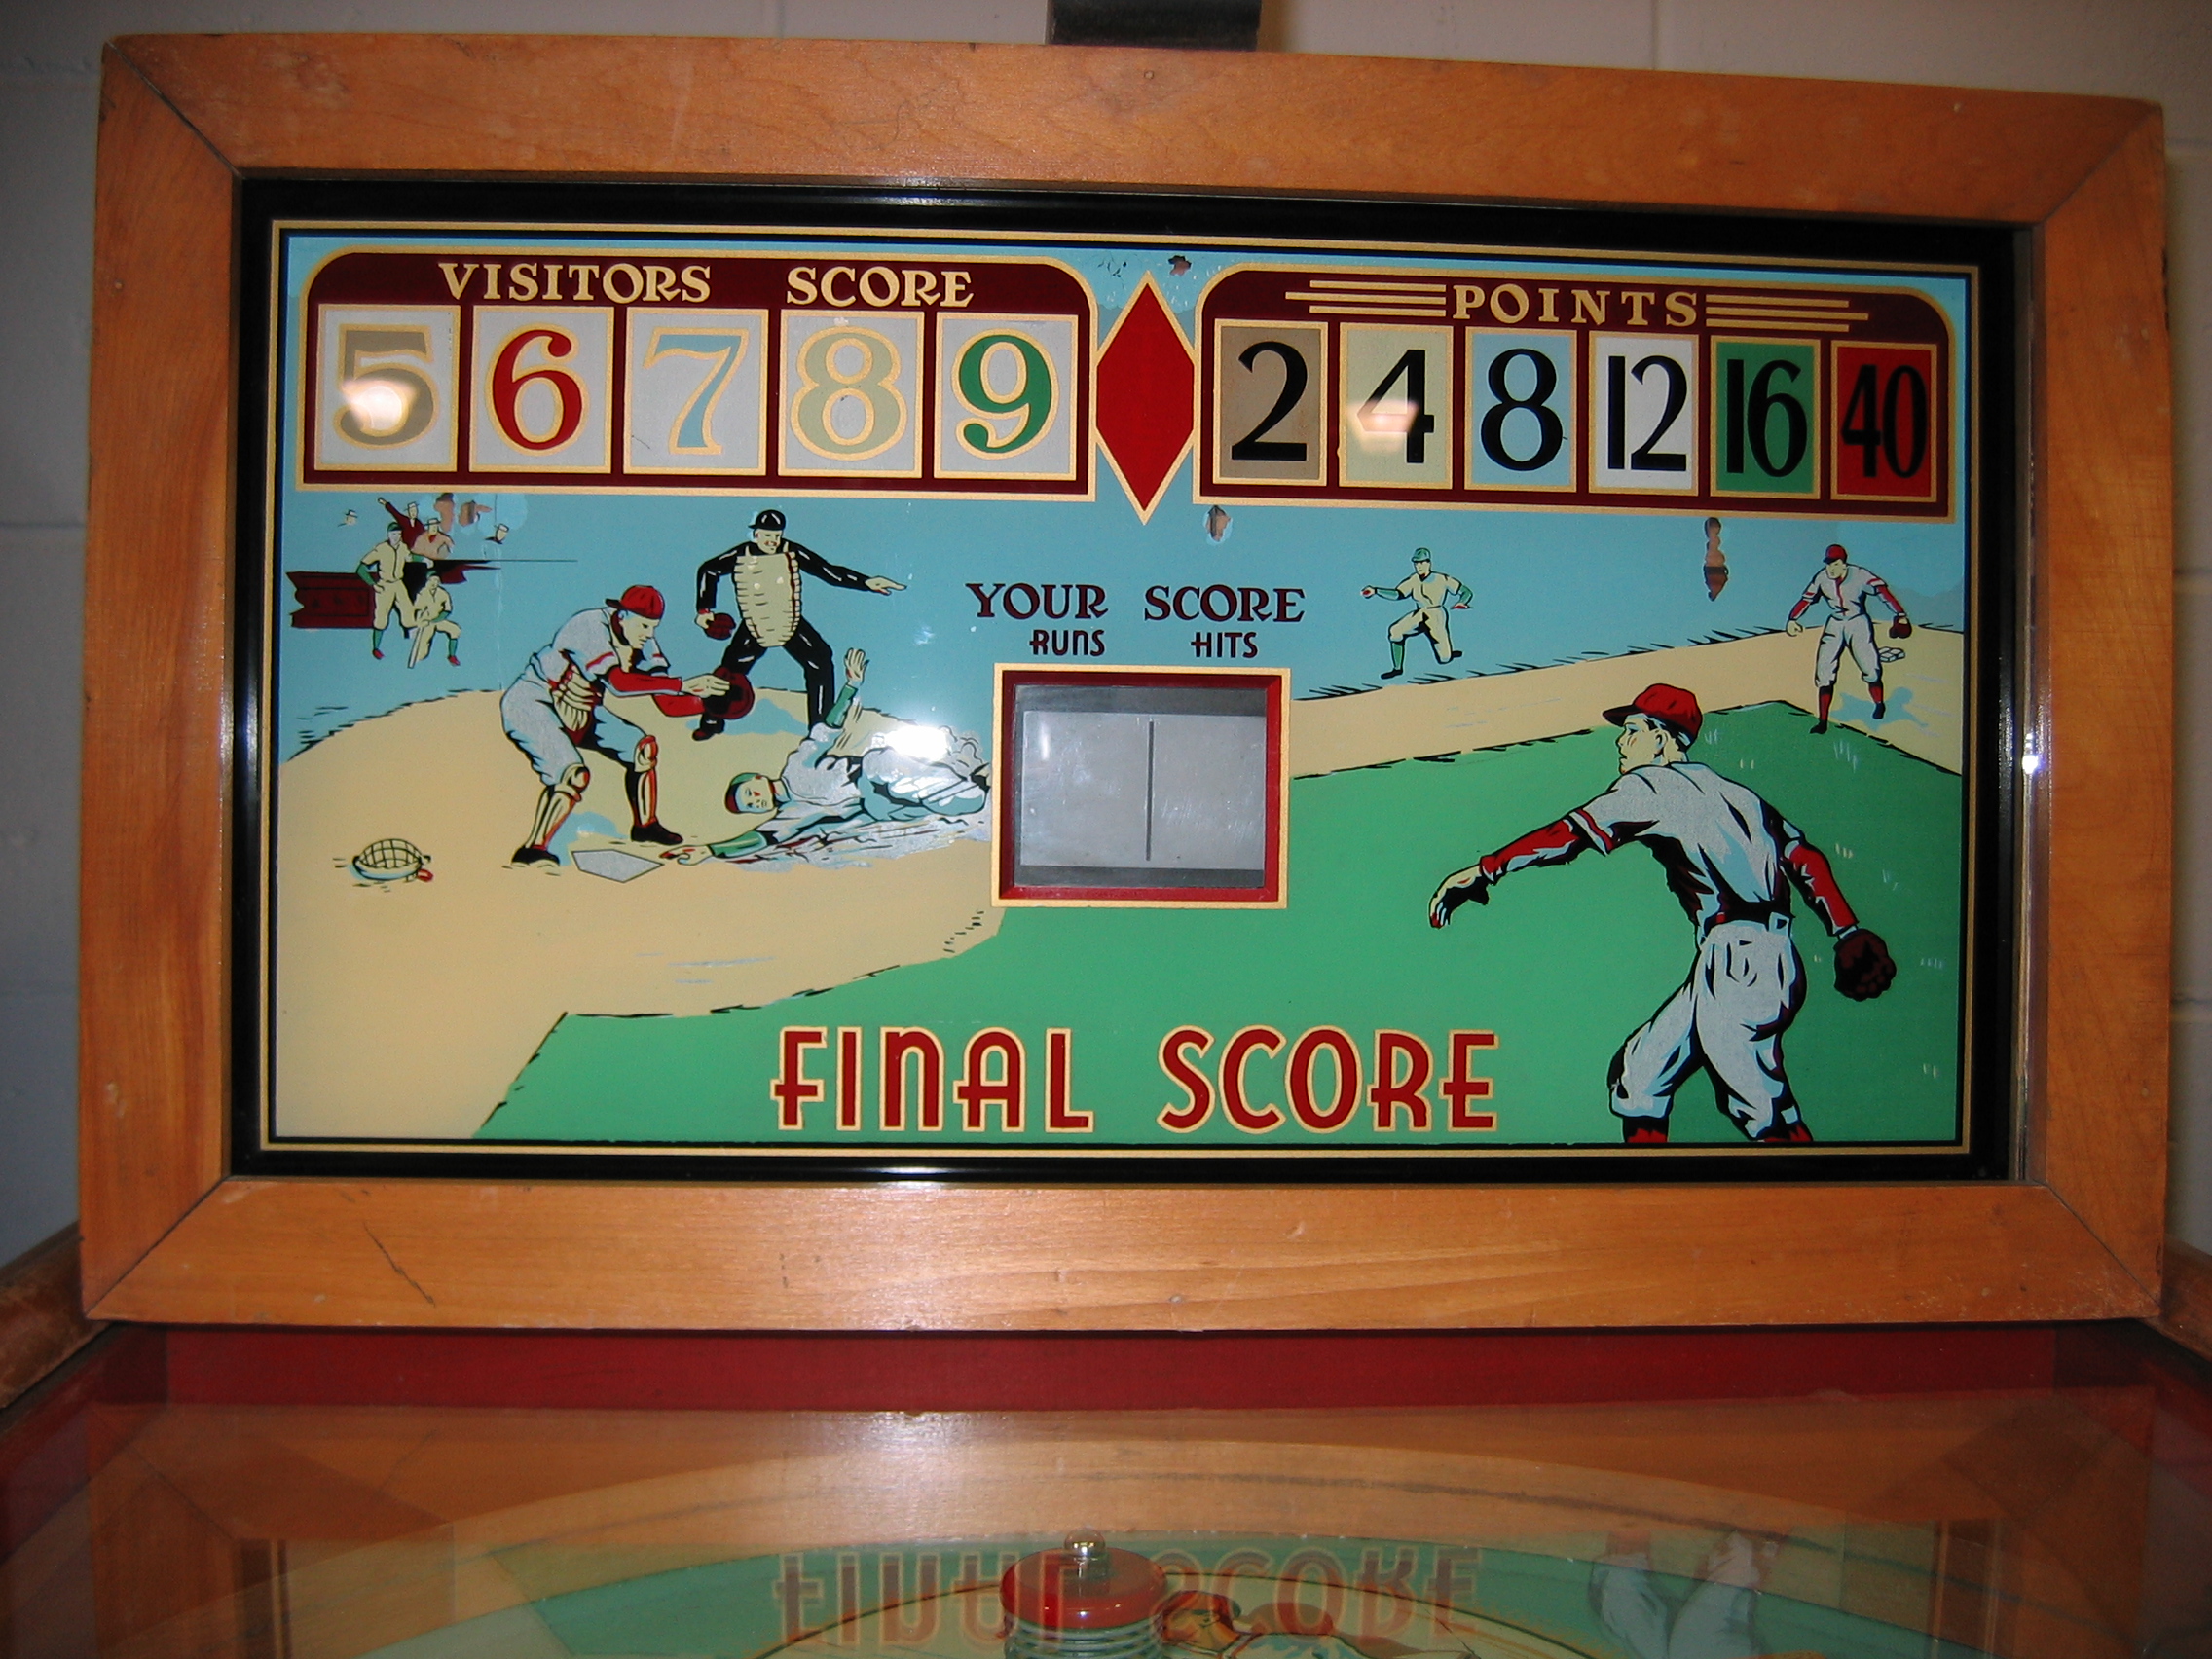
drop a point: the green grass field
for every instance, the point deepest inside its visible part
(1561, 965)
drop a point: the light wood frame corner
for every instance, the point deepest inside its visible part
(169, 1235)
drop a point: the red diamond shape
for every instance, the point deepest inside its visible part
(1147, 379)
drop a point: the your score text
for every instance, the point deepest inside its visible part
(1214, 603)
(598, 369)
(1525, 388)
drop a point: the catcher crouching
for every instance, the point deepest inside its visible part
(556, 710)
(1730, 859)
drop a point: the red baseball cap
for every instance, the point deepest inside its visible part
(1670, 705)
(1836, 550)
(641, 601)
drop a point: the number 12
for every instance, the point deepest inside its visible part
(1646, 389)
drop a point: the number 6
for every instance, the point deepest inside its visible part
(505, 390)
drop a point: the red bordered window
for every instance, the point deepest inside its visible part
(1141, 786)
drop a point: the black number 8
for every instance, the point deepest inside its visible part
(1550, 434)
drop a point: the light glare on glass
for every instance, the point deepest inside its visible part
(378, 407)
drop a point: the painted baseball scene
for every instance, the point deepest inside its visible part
(841, 694)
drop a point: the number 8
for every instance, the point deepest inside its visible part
(822, 384)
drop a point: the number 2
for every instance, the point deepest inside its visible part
(1254, 445)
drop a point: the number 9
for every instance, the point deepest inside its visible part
(1032, 397)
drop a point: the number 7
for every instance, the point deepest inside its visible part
(694, 430)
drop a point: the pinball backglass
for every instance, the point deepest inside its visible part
(883, 688)
(937, 1028)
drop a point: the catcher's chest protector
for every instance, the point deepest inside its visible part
(765, 586)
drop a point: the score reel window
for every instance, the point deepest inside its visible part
(1141, 787)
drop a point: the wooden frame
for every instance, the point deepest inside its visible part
(169, 1236)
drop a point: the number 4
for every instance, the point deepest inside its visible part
(1382, 413)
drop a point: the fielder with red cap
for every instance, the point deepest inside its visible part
(1730, 860)
(556, 710)
(1847, 587)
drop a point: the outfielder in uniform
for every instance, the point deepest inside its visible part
(1431, 593)
(434, 615)
(556, 710)
(765, 584)
(1730, 860)
(1846, 587)
(897, 777)
(383, 568)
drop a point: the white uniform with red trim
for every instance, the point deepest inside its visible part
(1846, 588)
(584, 651)
(1730, 859)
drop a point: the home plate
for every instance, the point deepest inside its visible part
(612, 863)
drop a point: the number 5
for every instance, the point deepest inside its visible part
(387, 404)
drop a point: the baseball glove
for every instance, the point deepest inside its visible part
(1901, 629)
(721, 626)
(1862, 966)
(1474, 890)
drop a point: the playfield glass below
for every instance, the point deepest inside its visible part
(2064, 1513)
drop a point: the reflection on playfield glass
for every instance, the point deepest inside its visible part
(2041, 1517)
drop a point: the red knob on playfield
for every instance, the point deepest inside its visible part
(1083, 1600)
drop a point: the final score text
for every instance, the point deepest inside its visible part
(905, 1079)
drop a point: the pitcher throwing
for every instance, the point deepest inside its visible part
(1730, 860)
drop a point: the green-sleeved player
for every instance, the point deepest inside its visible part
(1433, 593)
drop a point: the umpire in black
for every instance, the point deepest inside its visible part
(765, 588)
